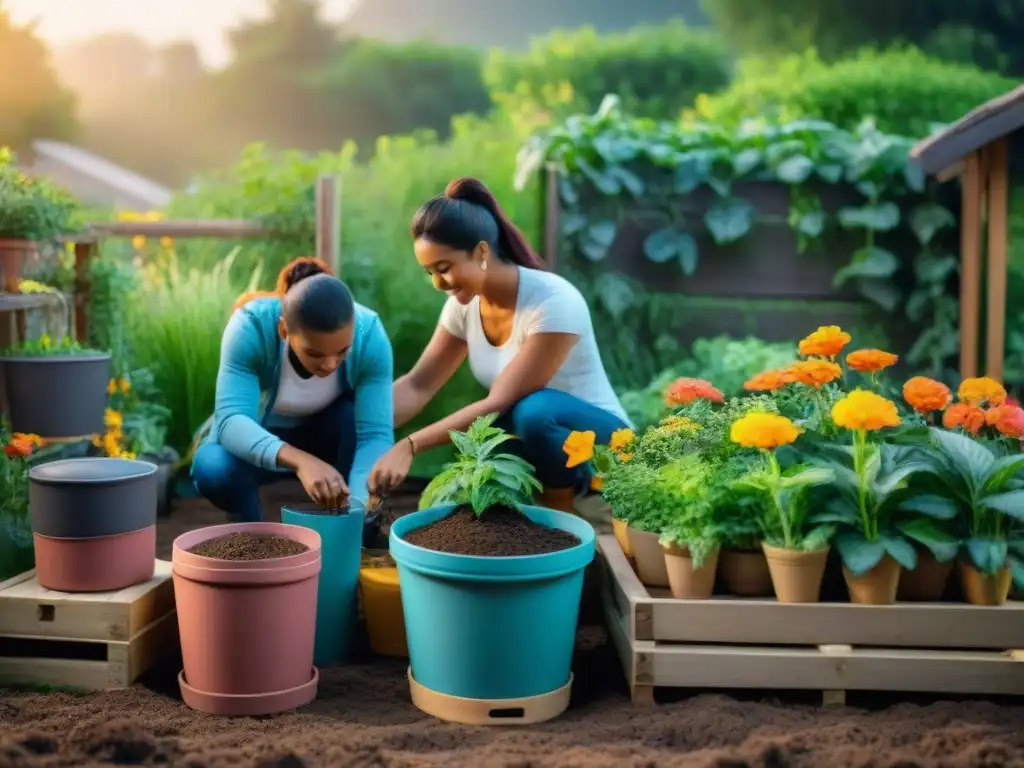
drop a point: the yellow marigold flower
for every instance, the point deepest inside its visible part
(620, 439)
(870, 360)
(863, 409)
(766, 431)
(112, 387)
(768, 381)
(139, 242)
(981, 391)
(579, 447)
(125, 385)
(827, 341)
(925, 395)
(815, 373)
(113, 419)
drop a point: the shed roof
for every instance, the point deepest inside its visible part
(992, 120)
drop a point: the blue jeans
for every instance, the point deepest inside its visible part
(542, 421)
(232, 484)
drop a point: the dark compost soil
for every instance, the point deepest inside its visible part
(362, 718)
(498, 532)
(248, 546)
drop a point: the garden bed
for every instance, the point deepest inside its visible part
(729, 642)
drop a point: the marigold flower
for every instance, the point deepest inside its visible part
(925, 395)
(870, 360)
(827, 341)
(815, 373)
(21, 445)
(579, 447)
(766, 431)
(112, 419)
(864, 409)
(980, 391)
(685, 390)
(768, 381)
(1008, 420)
(620, 439)
(966, 416)
(596, 482)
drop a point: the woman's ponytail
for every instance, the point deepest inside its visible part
(512, 244)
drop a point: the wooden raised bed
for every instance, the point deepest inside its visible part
(729, 642)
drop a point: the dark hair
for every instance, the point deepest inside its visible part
(314, 299)
(467, 214)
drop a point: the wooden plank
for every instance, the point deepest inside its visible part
(181, 230)
(552, 218)
(970, 265)
(998, 200)
(30, 610)
(627, 589)
(707, 666)
(84, 251)
(328, 221)
(948, 174)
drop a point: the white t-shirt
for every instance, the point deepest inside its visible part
(298, 397)
(546, 303)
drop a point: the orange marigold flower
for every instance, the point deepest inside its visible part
(684, 390)
(966, 416)
(870, 360)
(980, 391)
(21, 446)
(1007, 419)
(596, 482)
(827, 341)
(768, 381)
(864, 409)
(579, 448)
(925, 395)
(815, 373)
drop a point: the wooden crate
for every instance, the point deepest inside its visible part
(90, 641)
(730, 642)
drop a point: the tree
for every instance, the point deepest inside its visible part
(35, 105)
(985, 33)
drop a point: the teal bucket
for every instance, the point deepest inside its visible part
(491, 628)
(336, 602)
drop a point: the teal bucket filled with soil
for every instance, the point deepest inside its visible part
(499, 624)
(341, 535)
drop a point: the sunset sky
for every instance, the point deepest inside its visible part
(159, 21)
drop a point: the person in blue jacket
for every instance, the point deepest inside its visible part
(304, 387)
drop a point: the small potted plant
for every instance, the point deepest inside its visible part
(795, 547)
(491, 587)
(581, 449)
(689, 539)
(39, 374)
(32, 210)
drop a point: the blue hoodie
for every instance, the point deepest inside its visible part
(250, 367)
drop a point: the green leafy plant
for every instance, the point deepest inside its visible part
(44, 346)
(479, 476)
(31, 208)
(986, 493)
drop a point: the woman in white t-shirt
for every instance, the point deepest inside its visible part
(528, 336)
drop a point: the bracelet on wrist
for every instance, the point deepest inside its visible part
(412, 444)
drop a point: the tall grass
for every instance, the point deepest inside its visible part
(174, 321)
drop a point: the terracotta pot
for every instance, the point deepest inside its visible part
(982, 588)
(93, 523)
(876, 587)
(382, 607)
(684, 580)
(927, 582)
(247, 627)
(12, 261)
(621, 531)
(745, 572)
(796, 576)
(649, 556)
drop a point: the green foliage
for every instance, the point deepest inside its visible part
(479, 476)
(112, 278)
(44, 346)
(617, 172)
(658, 70)
(31, 208)
(35, 103)
(906, 91)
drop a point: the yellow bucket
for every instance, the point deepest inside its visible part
(382, 607)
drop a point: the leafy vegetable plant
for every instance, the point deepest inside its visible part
(479, 476)
(44, 346)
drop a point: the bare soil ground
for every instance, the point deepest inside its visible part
(363, 718)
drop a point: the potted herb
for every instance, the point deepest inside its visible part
(689, 539)
(795, 546)
(491, 587)
(39, 376)
(742, 564)
(31, 210)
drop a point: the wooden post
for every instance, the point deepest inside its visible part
(328, 221)
(998, 194)
(83, 252)
(970, 266)
(552, 218)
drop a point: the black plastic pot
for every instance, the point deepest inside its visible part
(85, 498)
(59, 396)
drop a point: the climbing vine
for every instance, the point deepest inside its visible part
(615, 170)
